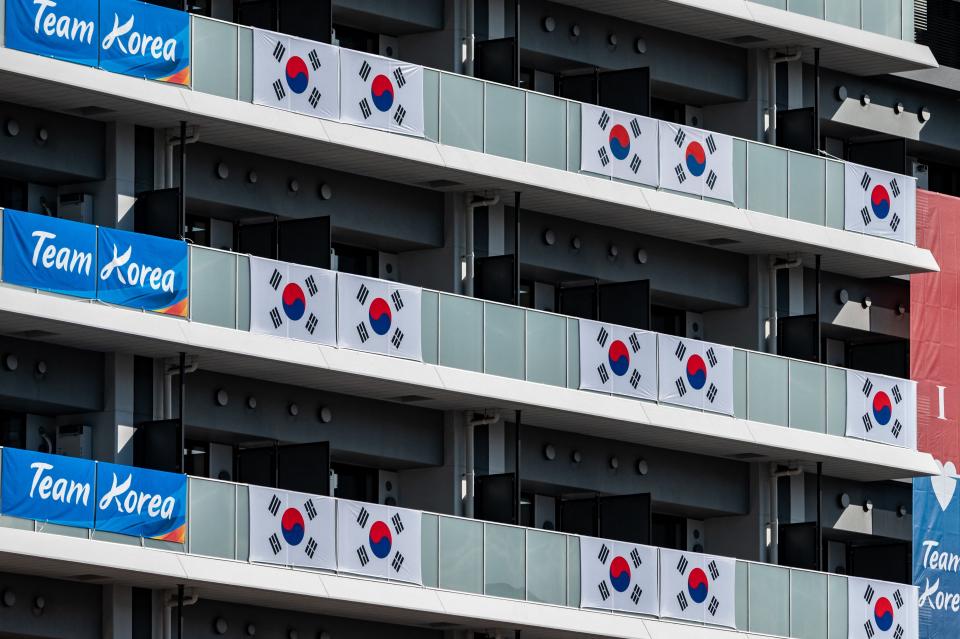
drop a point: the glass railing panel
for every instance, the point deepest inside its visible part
(837, 618)
(769, 599)
(213, 287)
(461, 555)
(547, 567)
(836, 379)
(114, 538)
(243, 522)
(835, 183)
(767, 179)
(812, 8)
(429, 326)
(740, 384)
(546, 117)
(776, 4)
(461, 333)
(504, 571)
(430, 549)
(573, 136)
(740, 173)
(16, 523)
(243, 293)
(431, 104)
(214, 62)
(503, 338)
(808, 396)
(846, 12)
(743, 595)
(504, 114)
(573, 575)
(461, 112)
(573, 353)
(211, 528)
(808, 605)
(882, 16)
(808, 179)
(767, 380)
(907, 21)
(546, 364)
(65, 531)
(245, 64)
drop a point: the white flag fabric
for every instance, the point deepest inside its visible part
(289, 300)
(695, 374)
(618, 144)
(617, 359)
(615, 575)
(296, 75)
(882, 409)
(697, 587)
(881, 610)
(292, 529)
(696, 161)
(378, 316)
(880, 203)
(380, 541)
(381, 93)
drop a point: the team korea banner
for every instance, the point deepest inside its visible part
(697, 587)
(296, 75)
(696, 161)
(380, 541)
(695, 374)
(618, 144)
(880, 203)
(617, 359)
(618, 576)
(881, 610)
(289, 300)
(378, 316)
(292, 529)
(882, 409)
(381, 93)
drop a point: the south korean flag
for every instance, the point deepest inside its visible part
(882, 409)
(292, 529)
(380, 541)
(696, 161)
(289, 300)
(378, 316)
(695, 374)
(880, 203)
(618, 576)
(697, 587)
(381, 93)
(881, 610)
(618, 145)
(296, 75)
(617, 359)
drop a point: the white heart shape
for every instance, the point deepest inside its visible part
(944, 484)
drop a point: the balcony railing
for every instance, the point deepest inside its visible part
(892, 18)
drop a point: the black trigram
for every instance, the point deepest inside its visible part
(898, 633)
(602, 372)
(278, 90)
(898, 599)
(399, 115)
(711, 357)
(682, 565)
(604, 590)
(279, 51)
(314, 98)
(681, 174)
(865, 215)
(635, 163)
(363, 556)
(311, 548)
(363, 517)
(275, 543)
(635, 594)
(363, 332)
(397, 300)
(867, 422)
(275, 318)
(397, 338)
(311, 324)
(868, 594)
(635, 558)
(897, 427)
(712, 393)
(894, 187)
(634, 342)
(679, 138)
(365, 108)
(865, 181)
(868, 628)
(604, 554)
(867, 387)
(275, 279)
(274, 505)
(635, 128)
(397, 562)
(314, 59)
(635, 379)
(397, 523)
(680, 351)
(604, 157)
(712, 607)
(681, 386)
(398, 76)
(682, 600)
(311, 285)
(363, 293)
(311, 509)
(713, 570)
(604, 120)
(894, 222)
(711, 144)
(897, 396)
(365, 70)
(711, 179)
(602, 336)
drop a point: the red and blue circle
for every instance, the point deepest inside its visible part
(619, 574)
(294, 301)
(697, 585)
(619, 142)
(882, 408)
(696, 372)
(292, 526)
(380, 316)
(696, 159)
(880, 201)
(883, 614)
(619, 358)
(380, 539)
(297, 75)
(381, 90)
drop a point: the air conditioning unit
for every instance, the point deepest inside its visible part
(389, 46)
(695, 535)
(75, 440)
(693, 116)
(75, 206)
(389, 267)
(694, 325)
(388, 491)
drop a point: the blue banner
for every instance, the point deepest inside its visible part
(936, 555)
(65, 29)
(141, 502)
(142, 271)
(49, 254)
(50, 488)
(145, 41)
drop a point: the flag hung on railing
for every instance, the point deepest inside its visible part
(378, 316)
(880, 203)
(618, 144)
(616, 575)
(881, 610)
(696, 161)
(289, 300)
(882, 409)
(292, 529)
(697, 587)
(695, 374)
(381, 93)
(617, 359)
(296, 75)
(380, 541)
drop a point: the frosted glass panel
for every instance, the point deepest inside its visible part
(573, 353)
(430, 549)
(807, 188)
(546, 122)
(214, 61)
(431, 104)
(461, 555)
(545, 361)
(503, 340)
(836, 401)
(461, 332)
(573, 136)
(835, 172)
(843, 12)
(211, 530)
(808, 396)
(429, 302)
(245, 64)
(546, 567)
(461, 112)
(243, 292)
(213, 287)
(740, 388)
(837, 607)
(743, 596)
(808, 605)
(767, 395)
(740, 173)
(767, 179)
(769, 590)
(243, 522)
(882, 16)
(573, 575)
(503, 567)
(813, 8)
(505, 118)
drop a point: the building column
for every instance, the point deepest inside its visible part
(117, 612)
(114, 197)
(112, 429)
(439, 489)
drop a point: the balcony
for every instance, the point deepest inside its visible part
(462, 560)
